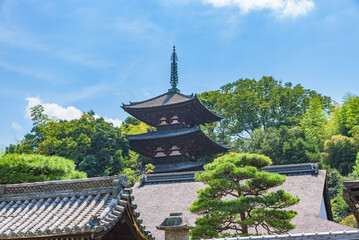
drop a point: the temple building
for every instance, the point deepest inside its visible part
(96, 208)
(175, 149)
(106, 208)
(179, 143)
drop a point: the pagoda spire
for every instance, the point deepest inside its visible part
(174, 73)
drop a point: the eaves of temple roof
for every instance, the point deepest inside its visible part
(70, 209)
(141, 143)
(166, 99)
(178, 102)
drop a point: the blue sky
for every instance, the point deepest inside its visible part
(73, 56)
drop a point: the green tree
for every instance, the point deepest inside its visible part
(340, 209)
(135, 164)
(340, 153)
(282, 144)
(19, 168)
(312, 125)
(236, 198)
(348, 116)
(96, 147)
(335, 181)
(248, 104)
(350, 221)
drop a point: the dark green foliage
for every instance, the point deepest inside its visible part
(96, 147)
(236, 198)
(348, 116)
(335, 181)
(312, 125)
(131, 120)
(340, 153)
(340, 209)
(19, 168)
(248, 104)
(282, 145)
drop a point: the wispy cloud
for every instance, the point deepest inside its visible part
(140, 28)
(54, 110)
(280, 8)
(42, 74)
(16, 126)
(84, 93)
(15, 37)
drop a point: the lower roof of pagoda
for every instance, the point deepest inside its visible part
(176, 164)
(187, 107)
(191, 141)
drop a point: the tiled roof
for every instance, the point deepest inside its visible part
(177, 166)
(343, 235)
(289, 169)
(293, 169)
(169, 98)
(202, 145)
(59, 208)
(177, 197)
(164, 134)
(187, 107)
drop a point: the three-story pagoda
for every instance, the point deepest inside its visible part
(179, 142)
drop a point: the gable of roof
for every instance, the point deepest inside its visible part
(82, 207)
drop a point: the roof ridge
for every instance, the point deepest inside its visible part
(61, 186)
(133, 104)
(179, 131)
(50, 217)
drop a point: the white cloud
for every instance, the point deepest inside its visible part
(116, 122)
(16, 126)
(281, 8)
(54, 110)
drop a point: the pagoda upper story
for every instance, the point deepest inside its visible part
(172, 108)
(178, 143)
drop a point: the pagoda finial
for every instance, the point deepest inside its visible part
(174, 73)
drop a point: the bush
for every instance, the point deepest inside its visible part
(19, 168)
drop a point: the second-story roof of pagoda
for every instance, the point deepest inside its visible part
(196, 112)
(202, 144)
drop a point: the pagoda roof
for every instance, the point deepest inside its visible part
(141, 143)
(174, 100)
(166, 99)
(163, 134)
(68, 209)
(177, 166)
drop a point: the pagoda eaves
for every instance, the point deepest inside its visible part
(191, 141)
(163, 108)
(179, 143)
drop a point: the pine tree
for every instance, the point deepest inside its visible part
(236, 199)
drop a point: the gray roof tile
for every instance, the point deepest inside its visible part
(177, 197)
(62, 207)
(165, 99)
